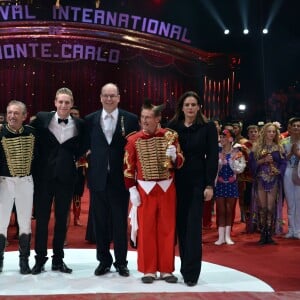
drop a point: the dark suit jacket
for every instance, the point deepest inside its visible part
(57, 161)
(102, 152)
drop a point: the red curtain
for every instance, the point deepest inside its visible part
(35, 82)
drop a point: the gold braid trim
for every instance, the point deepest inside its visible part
(19, 154)
(152, 155)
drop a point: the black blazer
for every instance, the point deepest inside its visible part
(55, 160)
(102, 152)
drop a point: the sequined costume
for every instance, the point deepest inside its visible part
(268, 176)
(226, 185)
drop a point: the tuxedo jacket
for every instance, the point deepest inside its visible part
(104, 154)
(55, 160)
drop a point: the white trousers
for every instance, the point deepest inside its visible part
(18, 190)
(292, 195)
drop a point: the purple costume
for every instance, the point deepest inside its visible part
(269, 175)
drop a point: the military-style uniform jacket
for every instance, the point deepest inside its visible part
(145, 156)
(17, 151)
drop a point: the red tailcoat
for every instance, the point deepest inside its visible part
(145, 161)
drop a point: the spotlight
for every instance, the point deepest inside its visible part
(245, 31)
(242, 107)
(226, 31)
(265, 31)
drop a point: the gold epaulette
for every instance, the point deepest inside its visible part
(169, 129)
(131, 133)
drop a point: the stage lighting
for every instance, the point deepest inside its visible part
(226, 31)
(265, 31)
(245, 31)
(242, 107)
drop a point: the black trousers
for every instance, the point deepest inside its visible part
(189, 229)
(47, 193)
(110, 214)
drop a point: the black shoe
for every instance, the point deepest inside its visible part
(24, 266)
(62, 267)
(148, 279)
(169, 278)
(101, 269)
(271, 241)
(39, 266)
(190, 283)
(37, 269)
(263, 237)
(122, 270)
(1, 265)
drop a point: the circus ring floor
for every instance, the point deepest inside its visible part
(214, 278)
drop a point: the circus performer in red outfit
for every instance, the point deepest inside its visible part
(150, 158)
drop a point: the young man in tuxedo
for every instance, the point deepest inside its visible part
(106, 130)
(60, 140)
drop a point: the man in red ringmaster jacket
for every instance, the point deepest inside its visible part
(150, 158)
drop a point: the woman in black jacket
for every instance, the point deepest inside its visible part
(198, 139)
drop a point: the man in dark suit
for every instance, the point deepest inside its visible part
(106, 132)
(60, 140)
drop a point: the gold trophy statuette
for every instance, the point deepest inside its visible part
(170, 136)
(273, 170)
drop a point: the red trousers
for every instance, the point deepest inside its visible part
(156, 233)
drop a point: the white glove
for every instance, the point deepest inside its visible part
(134, 224)
(134, 196)
(171, 152)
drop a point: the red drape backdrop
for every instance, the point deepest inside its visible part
(154, 68)
(35, 82)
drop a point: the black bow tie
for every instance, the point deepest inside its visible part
(63, 120)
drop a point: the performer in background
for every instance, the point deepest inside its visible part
(81, 165)
(105, 140)
(231, 163)
(2, 118)
(17, 151)
(247, 177)
(291, 147)
(241, 178)
(151, 155)
(60, 141)
(267, 163)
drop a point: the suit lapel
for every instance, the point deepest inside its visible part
(117, 125)
(97, 124)
(120, 126)
(49, 118)
(47, 122)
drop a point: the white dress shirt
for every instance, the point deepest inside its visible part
(62, 131)
(109, 123)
